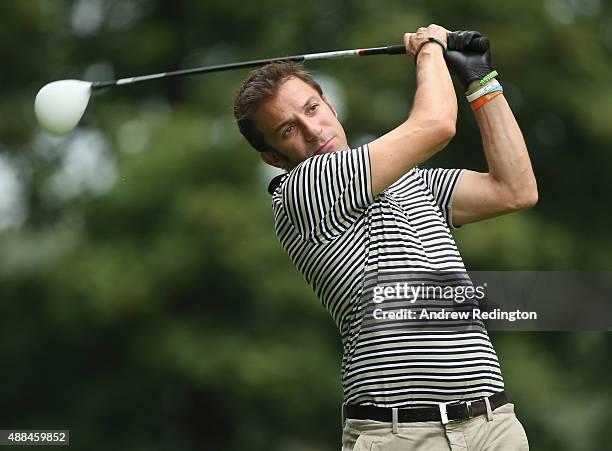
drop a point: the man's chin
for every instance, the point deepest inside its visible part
(330, 149)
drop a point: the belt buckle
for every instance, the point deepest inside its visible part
(444, 415)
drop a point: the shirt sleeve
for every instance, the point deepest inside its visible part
(442, 184)
(324, 195)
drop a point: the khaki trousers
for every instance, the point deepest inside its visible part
(499, 431)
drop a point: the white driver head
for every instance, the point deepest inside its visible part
(60, 105)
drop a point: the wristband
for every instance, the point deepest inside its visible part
(430, 39)
(479, 103)
(490, 91)
(481, 82)
(488, 77)
(482, 91)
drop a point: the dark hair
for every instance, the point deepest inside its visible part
(261, 85)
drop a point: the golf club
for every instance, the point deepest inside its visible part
(59, 105)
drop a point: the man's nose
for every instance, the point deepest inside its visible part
(311, 131)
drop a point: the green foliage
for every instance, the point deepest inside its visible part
(149, 305)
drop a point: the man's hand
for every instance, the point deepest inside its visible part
(414, 41)
(468, 56)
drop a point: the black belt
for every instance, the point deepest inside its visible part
(445, 412)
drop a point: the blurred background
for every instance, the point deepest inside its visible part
(145, 302)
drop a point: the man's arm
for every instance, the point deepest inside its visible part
(510, 184)
(431, 124)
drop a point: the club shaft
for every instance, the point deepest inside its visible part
(388, 50)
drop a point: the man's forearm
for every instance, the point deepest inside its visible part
(506, 152)
(435, 97)
(432, 121)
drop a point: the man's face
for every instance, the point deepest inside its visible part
(298, 123)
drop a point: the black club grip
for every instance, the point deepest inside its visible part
(396, 50)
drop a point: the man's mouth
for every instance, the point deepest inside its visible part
(325, 147)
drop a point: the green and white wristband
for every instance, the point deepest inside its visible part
(483, 91)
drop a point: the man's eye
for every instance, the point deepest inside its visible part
(313, 107)
(287, 130)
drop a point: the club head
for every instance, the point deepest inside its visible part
(60, 105)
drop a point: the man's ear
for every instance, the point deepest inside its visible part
(272, 159)
(329, 105)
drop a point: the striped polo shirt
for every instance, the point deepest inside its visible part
(341, 238)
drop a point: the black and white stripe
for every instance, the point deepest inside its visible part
(336, 233)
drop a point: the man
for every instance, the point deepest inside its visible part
(351, 219)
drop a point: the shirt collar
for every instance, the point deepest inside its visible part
(275, 183)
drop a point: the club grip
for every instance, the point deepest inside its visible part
(396, 50)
